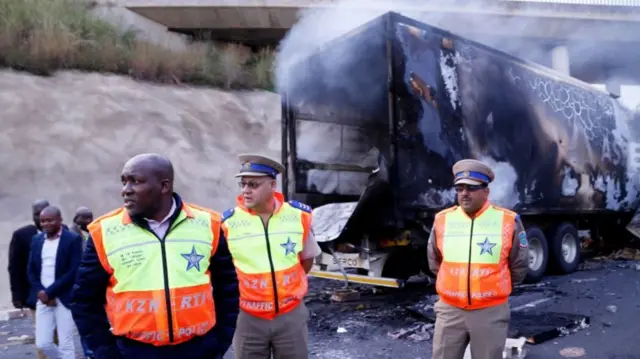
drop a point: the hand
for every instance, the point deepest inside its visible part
(42, 295)
(18, 304)
(51, 302)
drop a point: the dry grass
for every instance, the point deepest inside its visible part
(42, 36)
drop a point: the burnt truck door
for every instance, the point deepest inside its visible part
(335, 117)
(429, 136)
(328, 157)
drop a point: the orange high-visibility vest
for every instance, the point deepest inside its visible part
(271, 278)
(475, 271)
(159, 292)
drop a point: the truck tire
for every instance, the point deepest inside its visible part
(538, 254)
(565, 248)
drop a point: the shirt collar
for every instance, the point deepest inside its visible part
(55, 236)
(171, 211)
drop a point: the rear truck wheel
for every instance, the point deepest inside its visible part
(565, 248)
(538, 254)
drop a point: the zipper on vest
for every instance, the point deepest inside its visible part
(469, 264)
(165, 273)
(273, 271)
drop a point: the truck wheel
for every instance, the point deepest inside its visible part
(538, 254)
(565, 248)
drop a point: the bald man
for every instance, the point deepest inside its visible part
(19, 248)
(53, 263)
(157, 279)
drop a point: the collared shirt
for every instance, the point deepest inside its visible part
(161, 228)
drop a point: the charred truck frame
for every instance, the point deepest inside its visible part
(374, 120)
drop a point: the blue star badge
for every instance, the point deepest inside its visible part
(288, 247)
(486, 247)
(193, 259)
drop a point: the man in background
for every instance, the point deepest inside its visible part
(81, 220)
(53, 263)
(19, 249)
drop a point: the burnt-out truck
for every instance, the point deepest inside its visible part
(374, 120)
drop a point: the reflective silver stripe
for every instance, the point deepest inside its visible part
(155, 241)
(233, 238)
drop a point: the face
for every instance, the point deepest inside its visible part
(50, 222)
(256, 191)
(35, 213)
(83, 220)
(141, 189)
(471, 197)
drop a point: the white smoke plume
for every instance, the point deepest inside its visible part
(470, 19)
(318, 25)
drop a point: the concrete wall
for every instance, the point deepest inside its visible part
(115, 13)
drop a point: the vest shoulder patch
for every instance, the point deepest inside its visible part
(227, 214)
(301, 206)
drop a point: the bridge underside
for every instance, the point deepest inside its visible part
(600, 42)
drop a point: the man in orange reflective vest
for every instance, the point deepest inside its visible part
(156, 278)
(273, 250)
(478, 252)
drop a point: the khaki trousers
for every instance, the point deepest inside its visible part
(286, 336)
(486, 330)
(55, 336)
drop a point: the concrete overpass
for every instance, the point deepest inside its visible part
(266, 21)
(556, 32)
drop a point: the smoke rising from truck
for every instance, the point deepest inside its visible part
(317, 26)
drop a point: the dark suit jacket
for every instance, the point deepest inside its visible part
(68, 259)
(19, 249)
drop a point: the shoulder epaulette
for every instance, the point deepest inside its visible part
(301, 206)
(227, 214)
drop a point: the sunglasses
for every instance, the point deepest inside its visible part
(250, 184)
(469, 188)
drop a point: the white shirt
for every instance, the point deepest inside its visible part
(49, 253)
(161, 228)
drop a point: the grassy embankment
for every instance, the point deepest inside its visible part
(43, 36)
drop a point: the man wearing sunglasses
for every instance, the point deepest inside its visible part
(273, 250)
(478, 252)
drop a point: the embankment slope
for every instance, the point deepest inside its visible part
(65, 138)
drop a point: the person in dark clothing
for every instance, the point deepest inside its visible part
(53, 262)
(133, 251)
(19, 249)
(81, 220)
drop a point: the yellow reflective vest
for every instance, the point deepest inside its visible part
(475, 252)
(160, 291)
(272, 281)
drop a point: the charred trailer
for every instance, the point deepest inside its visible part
(374, 120)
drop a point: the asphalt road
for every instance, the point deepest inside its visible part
(607, 292)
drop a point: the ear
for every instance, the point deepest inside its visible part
(165, 186)
(274, 184)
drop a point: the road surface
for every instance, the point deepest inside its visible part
(606, 291)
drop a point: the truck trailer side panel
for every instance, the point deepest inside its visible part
(556, 144)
